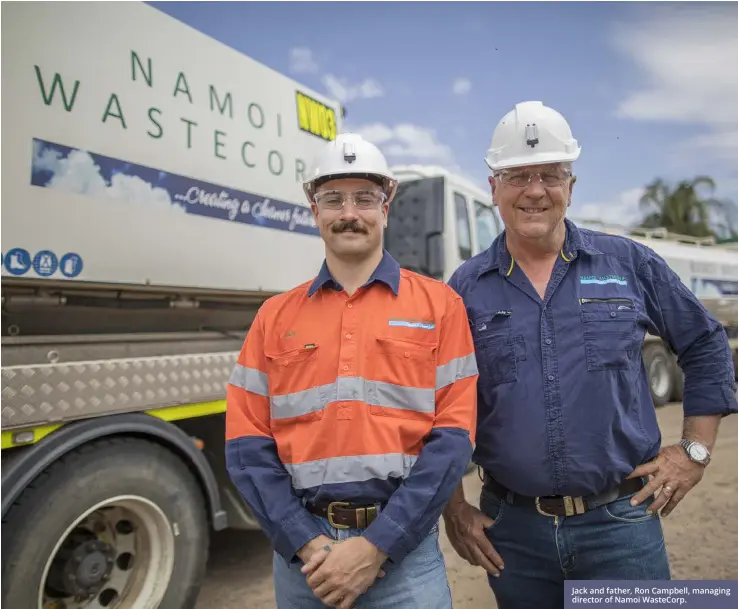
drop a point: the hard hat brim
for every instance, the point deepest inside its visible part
(539, 159)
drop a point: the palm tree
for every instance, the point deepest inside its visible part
(683, 210)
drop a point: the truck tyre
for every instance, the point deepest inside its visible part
(657, 360)
(120, 522)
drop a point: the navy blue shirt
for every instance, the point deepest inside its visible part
(564, 401)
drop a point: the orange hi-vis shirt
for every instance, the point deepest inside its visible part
(369, 398)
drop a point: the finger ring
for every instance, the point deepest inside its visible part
(667, 489)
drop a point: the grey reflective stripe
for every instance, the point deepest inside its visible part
(250, 379)
(360, 468)
(298, 403)
(455, 370)
(353, 389)
(397, 396)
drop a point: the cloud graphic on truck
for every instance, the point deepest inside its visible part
(78, 173)
(81, 172)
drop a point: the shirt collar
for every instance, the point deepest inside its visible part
(500, 259)
(387, 272)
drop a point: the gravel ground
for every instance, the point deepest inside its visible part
(701, 537)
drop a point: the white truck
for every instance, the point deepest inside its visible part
(151, 201)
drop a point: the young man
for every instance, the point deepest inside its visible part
(567, 433)
(351, 410)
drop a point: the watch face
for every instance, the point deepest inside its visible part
(697, 452)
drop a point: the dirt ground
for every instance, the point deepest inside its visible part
(701, 537)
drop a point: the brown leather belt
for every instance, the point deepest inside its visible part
(344, 515)
(560, 505)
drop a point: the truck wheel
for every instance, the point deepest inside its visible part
(120, 522)
(659, 372)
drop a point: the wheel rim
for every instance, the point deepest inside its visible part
(658, 374)
(119, 554)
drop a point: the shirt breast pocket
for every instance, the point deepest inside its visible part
(498, 350)
(293, 377)
(403, 378)
(609, 328)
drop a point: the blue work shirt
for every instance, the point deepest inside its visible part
(564, 402)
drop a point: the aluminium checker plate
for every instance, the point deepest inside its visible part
(53, 393)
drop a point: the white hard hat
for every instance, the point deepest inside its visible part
(531, 134)
(349, 156)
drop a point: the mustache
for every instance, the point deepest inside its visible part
(352, 225)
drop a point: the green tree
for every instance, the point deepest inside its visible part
(688, 209)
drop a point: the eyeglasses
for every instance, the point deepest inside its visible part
(363, 199)
(521, 179)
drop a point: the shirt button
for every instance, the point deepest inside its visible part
(612, 313)
(349, 305)
(407, 354)
(345, 367)
(348, 336)
(548, 341)
(550, 377)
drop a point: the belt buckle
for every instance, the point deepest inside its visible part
(540, 510)
(332, 505)
(572, 506)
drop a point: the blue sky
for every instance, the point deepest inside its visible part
(649, 88)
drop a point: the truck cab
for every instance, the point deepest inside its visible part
(438, 220)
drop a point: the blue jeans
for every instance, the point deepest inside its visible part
(614, 541)
(418, 582)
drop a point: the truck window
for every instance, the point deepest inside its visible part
(463, 230)
(486, 225)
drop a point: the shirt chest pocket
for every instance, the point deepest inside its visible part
(609, 329)
(497, 348)
(402, 376)
(293, 383)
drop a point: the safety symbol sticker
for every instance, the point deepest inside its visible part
(71, 265)
(45, 263)
(17, 261)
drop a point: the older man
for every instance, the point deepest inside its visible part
(351, 410)
(567, 433)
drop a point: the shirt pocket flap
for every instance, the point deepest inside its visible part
(407, 349)
(608, 309)
(293, 356)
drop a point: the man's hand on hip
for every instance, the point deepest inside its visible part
(346, 572)
(673, 472)
(465, 529)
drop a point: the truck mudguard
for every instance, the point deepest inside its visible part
(20, 471)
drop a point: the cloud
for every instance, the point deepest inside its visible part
(340, 89)
(687, 55)
(461, 86)
(78, 174)
(302, 61)
(623, 210)
(407, 142)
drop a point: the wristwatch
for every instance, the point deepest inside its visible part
(696, 451)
